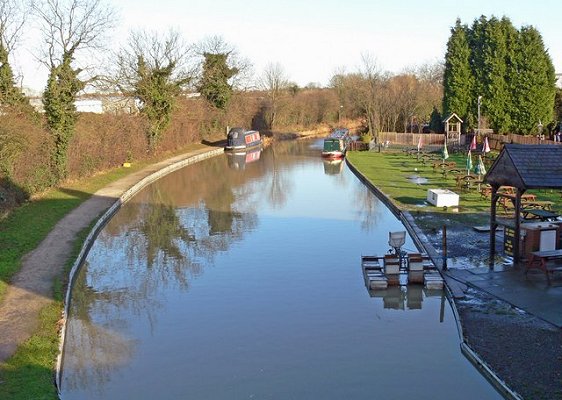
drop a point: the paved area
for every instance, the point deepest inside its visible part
(531, 294)
(31, 288)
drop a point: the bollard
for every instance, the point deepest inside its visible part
(444, 247)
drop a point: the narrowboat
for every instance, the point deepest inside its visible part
(239, 138)
(336, 144)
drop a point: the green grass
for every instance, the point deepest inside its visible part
(29, 374)
(389, 171)
(24, 228)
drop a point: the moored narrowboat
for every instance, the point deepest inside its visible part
(336, 144)
(239, 138)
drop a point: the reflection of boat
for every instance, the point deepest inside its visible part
(333, 166)
(239, 138)
(336, 144)
(239, 159)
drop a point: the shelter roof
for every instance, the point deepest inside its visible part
(451, 116)
(527, 166)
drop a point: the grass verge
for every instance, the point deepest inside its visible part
(29, 374)
(390, 172)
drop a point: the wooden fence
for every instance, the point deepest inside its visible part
(411, 139)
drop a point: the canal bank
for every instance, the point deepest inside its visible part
(453, 289)
(31, 288)
(502, 316)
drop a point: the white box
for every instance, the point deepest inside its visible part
(442, 197)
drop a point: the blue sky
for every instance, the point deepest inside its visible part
(313, 38)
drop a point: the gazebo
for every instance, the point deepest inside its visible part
(453, 128)
(522, 167)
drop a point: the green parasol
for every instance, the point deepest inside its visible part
(445, 153)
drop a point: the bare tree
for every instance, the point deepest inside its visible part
(274, 82)
(241, 80)
(13, 15)
(68, 27)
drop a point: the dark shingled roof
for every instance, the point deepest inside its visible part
(527, 166)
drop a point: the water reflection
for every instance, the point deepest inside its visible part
(225, 283)
(333, 167)
(238, 160)
(409, 297)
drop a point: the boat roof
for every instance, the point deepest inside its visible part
(339, 133)
(240, 130)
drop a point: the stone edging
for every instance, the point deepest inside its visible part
(126, 196)
(422, 243)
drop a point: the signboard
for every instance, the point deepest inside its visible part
(509, 241)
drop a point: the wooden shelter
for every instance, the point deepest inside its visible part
(522, 167)
(453, 128)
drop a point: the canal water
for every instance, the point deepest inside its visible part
(239, 278)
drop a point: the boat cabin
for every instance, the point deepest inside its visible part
(239, 139)
(336, 144)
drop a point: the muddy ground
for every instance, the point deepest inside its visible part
(523, 350)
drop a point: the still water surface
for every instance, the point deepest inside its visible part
(240, 278)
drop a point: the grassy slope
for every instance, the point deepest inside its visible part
(29, 373)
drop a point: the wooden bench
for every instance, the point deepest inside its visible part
(548, 261)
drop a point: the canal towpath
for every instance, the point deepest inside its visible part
(31, 289)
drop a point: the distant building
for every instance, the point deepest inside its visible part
(97, 104)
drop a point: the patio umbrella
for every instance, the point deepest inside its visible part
(468, 162)
(473, 143)
(445, 153)
(486, 147)
(480, 169)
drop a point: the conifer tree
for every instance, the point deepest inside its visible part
(458, 78)
(534, 88)
(510, 69)
(436, 121)
(490, 69)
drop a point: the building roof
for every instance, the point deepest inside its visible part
(527, 166)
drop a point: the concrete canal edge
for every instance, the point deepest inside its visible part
(101, 222)
(422, 243)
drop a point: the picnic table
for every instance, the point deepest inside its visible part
(537, 213)
(546, 261)
(467, 181)
(444, 165)
(539, 205)
(451, 170)
(427, 157)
